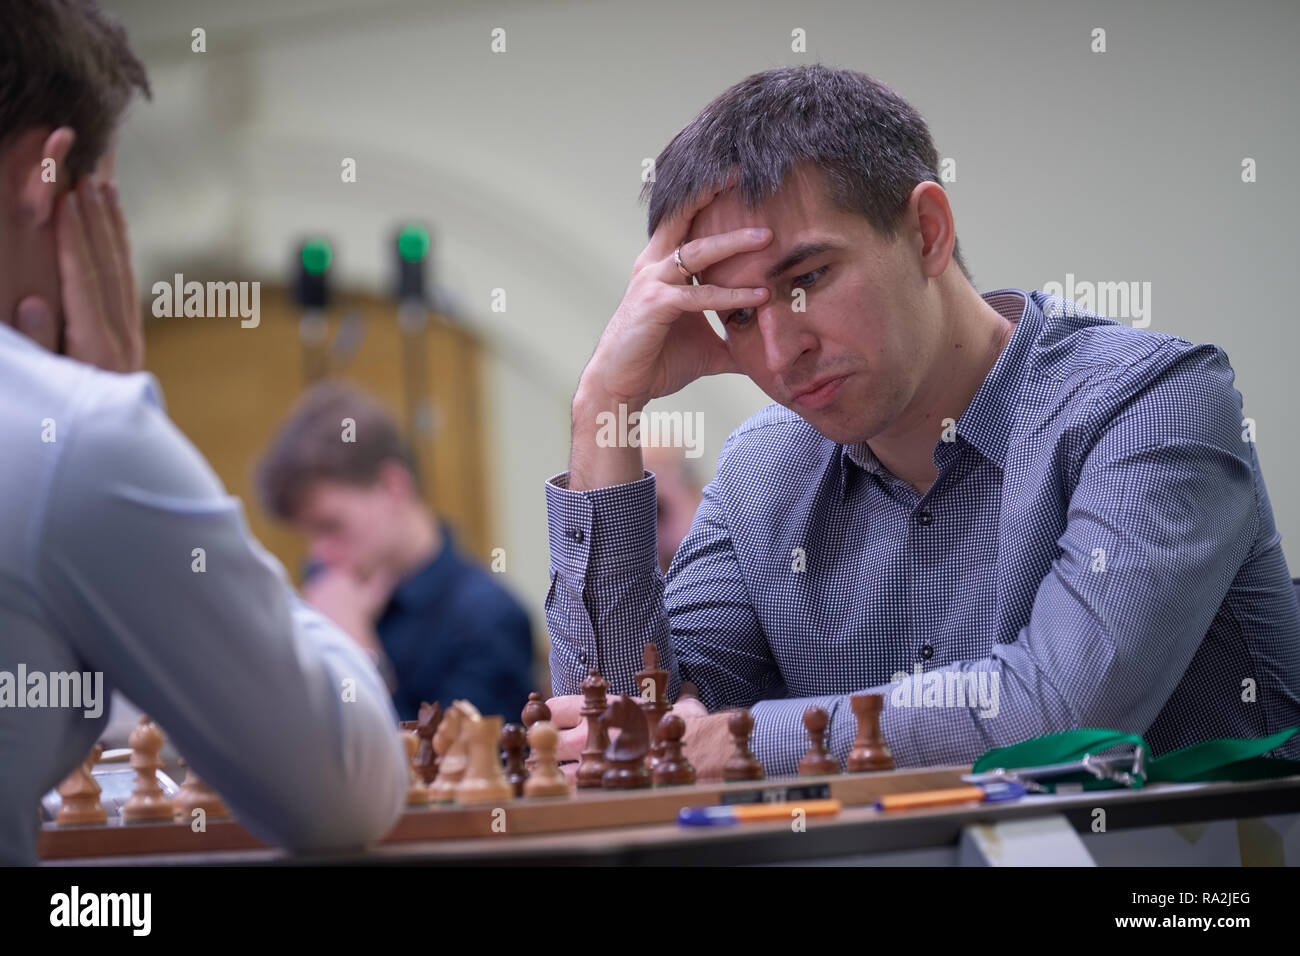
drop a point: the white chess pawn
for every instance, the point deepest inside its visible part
(546, 778)
(195, 794)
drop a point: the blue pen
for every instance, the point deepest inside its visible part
(740, 812)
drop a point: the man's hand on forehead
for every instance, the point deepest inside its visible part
(659, 339)
(719, 218)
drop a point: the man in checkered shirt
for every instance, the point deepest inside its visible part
(1008, 515)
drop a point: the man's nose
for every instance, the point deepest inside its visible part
(324, 551)
(785, 336)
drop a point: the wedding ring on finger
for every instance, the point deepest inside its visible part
(677, 261)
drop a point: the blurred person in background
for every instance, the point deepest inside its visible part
(384, 567)
(678, 490)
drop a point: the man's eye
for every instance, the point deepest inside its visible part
(741, 316)
(812, 276)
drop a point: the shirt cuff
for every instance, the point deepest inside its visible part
(602, 529)
(780, 740)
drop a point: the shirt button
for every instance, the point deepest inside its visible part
(577, 535)
(924, 517)
(927, 652)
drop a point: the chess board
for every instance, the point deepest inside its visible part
(583, 810)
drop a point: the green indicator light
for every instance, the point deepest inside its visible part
(316, 256)
(413, 242)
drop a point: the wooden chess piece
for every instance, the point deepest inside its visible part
(514, 741)
(80, 792)
(148, 801)
(652, 683)
(417, 791)
(591, 767)
(742, 764)
(625, 767)
(484, 780)
(869, 751)
(672, 768)
(195, 794)
(449, 743)
(547, 780)
(534, 711)
(817, 760)
(426, 758)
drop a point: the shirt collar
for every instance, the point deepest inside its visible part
(986, 421)
(428, 584)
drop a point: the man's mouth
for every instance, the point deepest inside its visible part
(819, 394)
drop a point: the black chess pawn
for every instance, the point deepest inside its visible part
(533, 711)
(742, 764)
(817, 760)
(672, 768)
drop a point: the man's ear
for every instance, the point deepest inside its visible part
(40, 171)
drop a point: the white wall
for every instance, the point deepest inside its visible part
(1120, 166)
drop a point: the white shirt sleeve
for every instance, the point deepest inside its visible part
(145, 565)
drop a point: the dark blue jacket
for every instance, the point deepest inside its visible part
(452, 632)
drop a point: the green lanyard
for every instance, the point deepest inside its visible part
(1227, 758)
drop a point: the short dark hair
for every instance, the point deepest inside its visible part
(309, 447)
(870, 145)
(65, 63)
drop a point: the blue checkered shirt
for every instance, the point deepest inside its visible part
(1098, 550)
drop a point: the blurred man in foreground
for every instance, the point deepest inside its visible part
(107, 504)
